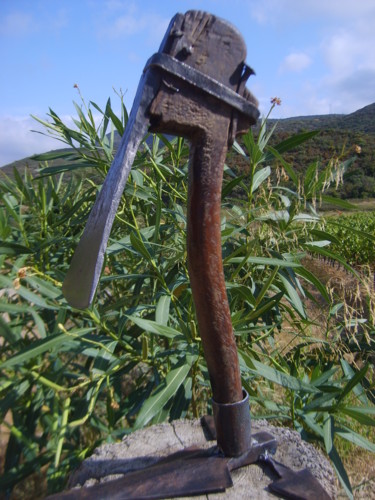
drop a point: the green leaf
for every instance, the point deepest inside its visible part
(153, 327)
(266, 261)
(311, 278)
(323, 402)
(13, 249)
(328, 432)
(182, 400)
(331, 255)
(140, 247)
(293, 294)
(359, 391)
(68, 167)
(6, 332)
(44, 287)
(54, 155)
(229, 186)
(355, 438)
(162, 310)
(42, 345)
(27, 294)
(341, 472)
(324, 235)
(356, 379)
(288, 168)
(259, 177)
(276, 376)
(295, 140)
(360, 414)
(266, 306)
(338, 202)
(163, 393)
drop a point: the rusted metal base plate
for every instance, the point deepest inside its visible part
(184, 473)
(144, 447)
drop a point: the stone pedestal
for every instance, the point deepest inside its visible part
(146, 446)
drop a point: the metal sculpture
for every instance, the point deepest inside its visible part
(193, 87)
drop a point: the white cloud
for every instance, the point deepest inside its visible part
(17, 141)
(23, 136)
(295, 62)
(121, 20)
(350, 62)
(347, 51)
(342, 48)
(288, 11)
(17, 24)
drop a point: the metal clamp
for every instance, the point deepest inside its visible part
(205, 83)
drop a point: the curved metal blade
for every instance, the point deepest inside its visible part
(82, 278)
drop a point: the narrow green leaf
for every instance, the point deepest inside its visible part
(162, 310)
(360, 414)
(13, 249)
(140, 247)
(43, 286)
(355, 438)
(68, 167)
(323, 402)
(40, 346)
(229, 186)
(328, 432)
(341, 472)
(324, 235)
(7, 333)
(295, 140)
(338, 202)
(266, 261)
(356, 379)
(314, 280)
(288, 168)
(153, 327)
(276, 376)
(55, 155)
(259, 177)
(359, 391)
(26, 294)
(293, 294)
(163, 393)
(331, 255)
(266, 306)
(326, 375)
(182, 400)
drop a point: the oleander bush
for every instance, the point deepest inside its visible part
(72, 379)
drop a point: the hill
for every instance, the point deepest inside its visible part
(341, 136)
(362, 120)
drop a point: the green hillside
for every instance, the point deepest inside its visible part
(341, 136)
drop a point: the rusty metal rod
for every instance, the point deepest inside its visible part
(206, 265)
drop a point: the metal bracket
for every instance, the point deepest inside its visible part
(205, 83)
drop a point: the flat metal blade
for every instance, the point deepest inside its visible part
(296, 485)
(184, 473)
(83, 276)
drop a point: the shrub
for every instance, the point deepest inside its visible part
(71, 379)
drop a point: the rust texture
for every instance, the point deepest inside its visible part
(216, 49)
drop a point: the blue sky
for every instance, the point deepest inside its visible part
(318, 56)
